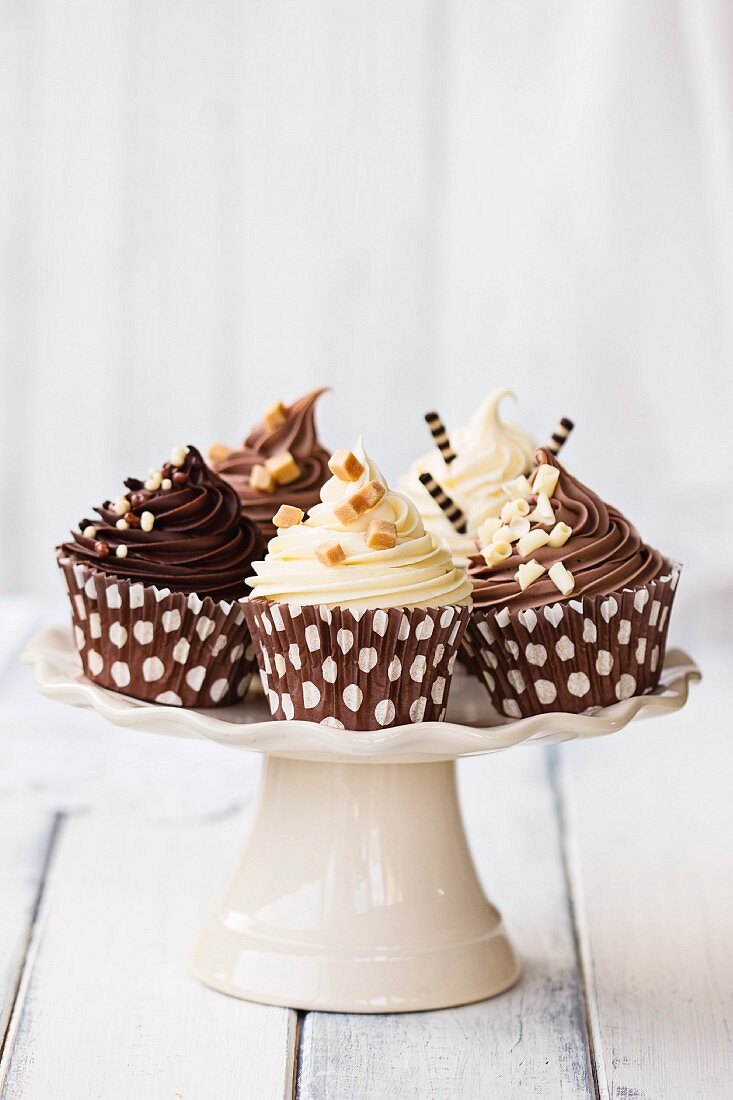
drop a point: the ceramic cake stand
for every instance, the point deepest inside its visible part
(356, 890)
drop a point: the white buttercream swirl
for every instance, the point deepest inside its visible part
(488, 453)
(417, 572)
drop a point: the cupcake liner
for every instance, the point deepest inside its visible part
(574, 655)
(352, 669)
(158, 645)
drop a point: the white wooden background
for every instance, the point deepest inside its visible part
(208, 204)
(611, 861)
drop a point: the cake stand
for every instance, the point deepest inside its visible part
(356, 891)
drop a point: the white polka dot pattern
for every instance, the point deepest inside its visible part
(171, 620)
(143, 640)
(121, 673)
(330, 670)
(578, 683)
(118, 634)
(574, 655)
(143, 632)
(604, 662)
(353, 696)
(95, 663)
(536, 654)
(626, 687)
(384, 712)
(311, 695)
(364, 669)
(153, 669)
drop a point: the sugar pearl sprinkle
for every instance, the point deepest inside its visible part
(526, 529)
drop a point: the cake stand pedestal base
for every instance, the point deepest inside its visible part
(356, 892)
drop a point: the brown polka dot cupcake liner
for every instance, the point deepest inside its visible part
(352, 669)
(574, 655)
(157, 645)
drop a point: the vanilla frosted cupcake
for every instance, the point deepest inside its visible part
(357, 611)
(571, 606)
(488, 453)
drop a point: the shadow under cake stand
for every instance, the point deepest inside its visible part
(356, 891)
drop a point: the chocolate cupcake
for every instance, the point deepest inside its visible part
(155, 583)
(357, 613)
(281, 461)
(480, 458)
(571, 607)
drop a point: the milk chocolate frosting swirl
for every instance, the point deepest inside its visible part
(297, 435)
(199, 542)
(605, 552)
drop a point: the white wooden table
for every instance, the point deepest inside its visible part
(611, 862)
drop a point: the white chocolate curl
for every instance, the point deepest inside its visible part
(528, 573)
(561, 578)
(417, 572)
(486, 531)
(545, 480)
(496, 552)
(515, 509)
(543, 511)
(559, 535)
(531, 542)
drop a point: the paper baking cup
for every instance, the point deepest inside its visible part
(574, 655)
(352, 669)
(158, 645)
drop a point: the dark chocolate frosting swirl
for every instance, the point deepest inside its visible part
(297, 435)
(605, 552)
(199, 542)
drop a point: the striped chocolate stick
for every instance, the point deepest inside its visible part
(440, 435)
(452, 512)
(559, 437)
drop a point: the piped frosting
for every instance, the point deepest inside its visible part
(186, 534)
(603, 552)
(489, 452)
(298, 436)
(416, 572)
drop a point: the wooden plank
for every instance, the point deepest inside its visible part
(108, 1006)
(649, 824)
(25, 838)
(530, 1041)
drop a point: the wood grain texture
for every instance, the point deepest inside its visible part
(108, 1007)
(26, 836)
(649, 822)
(528, 1042)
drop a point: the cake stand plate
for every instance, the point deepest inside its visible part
(356, 891)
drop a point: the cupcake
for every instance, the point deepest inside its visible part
(571, 608)
(478, 460)
(357, 611)
(281, 461)
(155, 583)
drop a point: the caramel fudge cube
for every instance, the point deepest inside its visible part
(261, 479)
(218, 452)
(345, 466)
(348, 511)
(283, 467)
(275, 416)
(287, 516)
(381, 535)
(330, 553)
